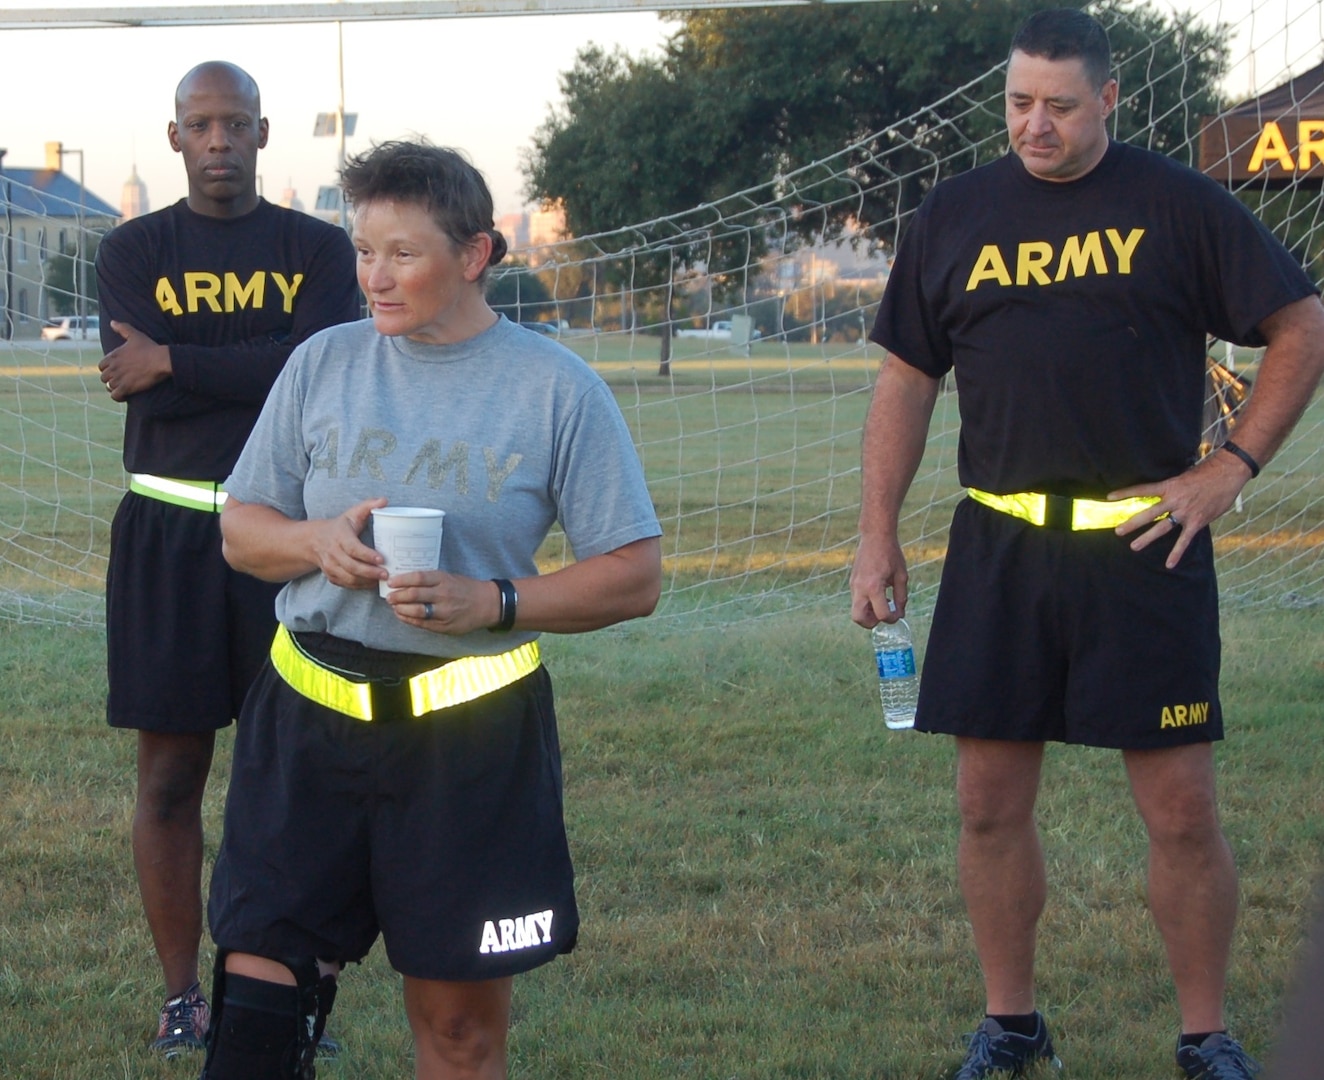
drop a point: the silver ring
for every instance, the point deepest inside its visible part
(1173, 519)
(427, 611)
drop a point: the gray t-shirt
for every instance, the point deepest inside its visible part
(507, 432)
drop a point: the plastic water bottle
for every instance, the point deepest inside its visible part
(898, 684)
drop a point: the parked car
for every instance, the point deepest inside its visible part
(721, 330)
(551, 329)
(72, 326)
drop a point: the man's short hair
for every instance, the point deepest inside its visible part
(1067, 34)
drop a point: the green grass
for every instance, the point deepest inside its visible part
(766, 873)
(752, 463)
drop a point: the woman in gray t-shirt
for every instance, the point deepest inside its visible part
(396, 768)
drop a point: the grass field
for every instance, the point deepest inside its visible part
(766, 873)
(752, 463)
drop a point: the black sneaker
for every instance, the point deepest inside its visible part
(184, 1023)
(1219, 1057)
(992, 1051)
(327, 1047)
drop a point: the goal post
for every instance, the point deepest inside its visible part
(311, 11)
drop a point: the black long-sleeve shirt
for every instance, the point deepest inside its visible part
(231, 297)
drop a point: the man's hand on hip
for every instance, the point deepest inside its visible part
(1187, 503)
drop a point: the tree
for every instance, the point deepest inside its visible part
(742, 95)
(518, 293)
(899, 94)
(1169, 68)
(1292, 212)
(599, 157)
(620, 119)
(63, 276)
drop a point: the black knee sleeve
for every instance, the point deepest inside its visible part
(267, 1031)
(317, 994)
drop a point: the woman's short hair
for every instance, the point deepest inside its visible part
(437, 178)
(1067, 34)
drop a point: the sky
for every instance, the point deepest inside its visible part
(483, 85)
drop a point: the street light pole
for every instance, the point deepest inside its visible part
(8, 323)
(338, 124)
(340, 121)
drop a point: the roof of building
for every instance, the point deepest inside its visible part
(1304, 93)
(1232, 142)
(50, 193)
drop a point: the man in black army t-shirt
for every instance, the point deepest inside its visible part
(1070, 286)
(202, 304)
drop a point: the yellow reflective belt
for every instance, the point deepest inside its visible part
(1028, 506)
(1085, 513)
(454, 683)
(195, 494)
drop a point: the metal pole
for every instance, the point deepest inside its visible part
(80, 254)
(80, 284)
(8, 324)
(340, 121)
(82, 258)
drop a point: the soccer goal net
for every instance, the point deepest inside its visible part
(734, 335)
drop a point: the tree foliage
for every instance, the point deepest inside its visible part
(1169, 67)
(1292, 212)
(741, 97)
(65, 276)
(606, 156)
(518, 292)
(771, 127)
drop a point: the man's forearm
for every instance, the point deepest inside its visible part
(895, 433)
(1290, 370)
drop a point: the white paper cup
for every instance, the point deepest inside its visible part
(409, 537)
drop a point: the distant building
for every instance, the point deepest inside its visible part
(533, 230)
(515, 228)
(43, 213)
(329, 204)
(133, 198)
(546, 226)
(289, 198)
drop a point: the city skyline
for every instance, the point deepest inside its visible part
(482, 85)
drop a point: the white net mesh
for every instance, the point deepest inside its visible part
(748, 419)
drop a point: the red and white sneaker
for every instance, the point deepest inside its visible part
(184, 1023)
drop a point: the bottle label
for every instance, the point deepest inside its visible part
(896, 663)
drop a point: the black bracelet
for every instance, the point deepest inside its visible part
(509, 601)
(1237, 452)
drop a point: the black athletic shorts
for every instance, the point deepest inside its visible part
(443, 833)
(185, 634)
(1042, 634)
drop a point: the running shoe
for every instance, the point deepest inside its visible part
(993, 1052)
(327, 1047)
(1219, 1057)
(184, 1021)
